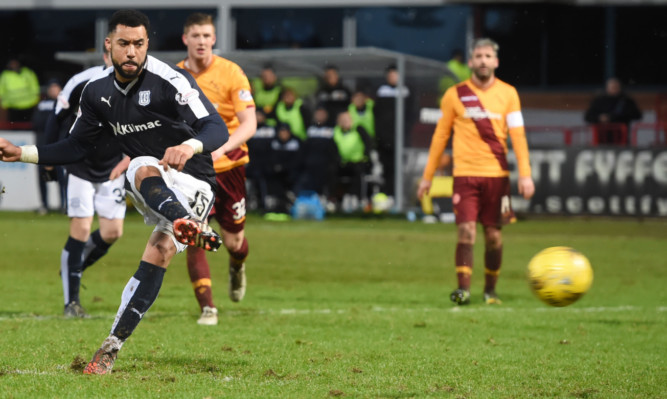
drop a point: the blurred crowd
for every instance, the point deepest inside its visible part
(336, 145)
(25, 105)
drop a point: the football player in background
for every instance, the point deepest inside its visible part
(94, 185)
(227, 86)
(482, 111)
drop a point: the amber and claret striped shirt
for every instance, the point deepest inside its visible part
(481, 121)
(226, 85)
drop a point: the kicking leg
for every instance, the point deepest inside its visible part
(138, 296)
(161, 199)
(149, 184)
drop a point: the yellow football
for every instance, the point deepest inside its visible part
(559, 276)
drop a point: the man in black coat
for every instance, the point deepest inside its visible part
(611, 108)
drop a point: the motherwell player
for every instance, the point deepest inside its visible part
(226, 85)
(482, 111)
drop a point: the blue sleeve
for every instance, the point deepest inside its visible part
(52, 129)
(62, 152)
(212, 132)
(83, 135)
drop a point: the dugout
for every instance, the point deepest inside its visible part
(359, 67)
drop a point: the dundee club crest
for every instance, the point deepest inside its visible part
(144, 97)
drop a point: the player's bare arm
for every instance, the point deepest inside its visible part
(243, 133)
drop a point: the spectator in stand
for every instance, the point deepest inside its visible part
(259, 149)
(361, 111)
(292, 111)
(48, 173)
(354, 147)
(319, 157)
(283, 160)
(332, 94)
(19, 92)
(459, 71)
(266, 91)
(610, 109)
(385, 125)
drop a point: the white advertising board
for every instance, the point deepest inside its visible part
(20, 181)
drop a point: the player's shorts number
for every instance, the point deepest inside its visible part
(239, 209)
(200, 205)
(120, 195)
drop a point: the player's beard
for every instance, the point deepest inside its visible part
(130, 76)
(483, 76)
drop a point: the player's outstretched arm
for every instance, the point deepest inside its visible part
(9, 152)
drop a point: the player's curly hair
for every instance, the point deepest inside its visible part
(131, 18)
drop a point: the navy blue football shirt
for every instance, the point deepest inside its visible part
(161, 108)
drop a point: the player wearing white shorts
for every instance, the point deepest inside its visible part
(194, 195)
(83, 249)
(95, 185)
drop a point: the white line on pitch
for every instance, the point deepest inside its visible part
(376, 309)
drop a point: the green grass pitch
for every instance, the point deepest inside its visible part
(344, 308)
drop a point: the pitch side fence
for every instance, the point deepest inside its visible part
(575, 175)
(575, 178)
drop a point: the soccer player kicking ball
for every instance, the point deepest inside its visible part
(482, 111)
(227, 86)
(168, 128)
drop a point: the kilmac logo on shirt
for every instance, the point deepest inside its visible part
(124, 129)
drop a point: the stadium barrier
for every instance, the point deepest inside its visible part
(5, 125)
(20, 181)
(575, 172)
(603, 180)
(648, 134)
(580, 180)
(574, 179)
